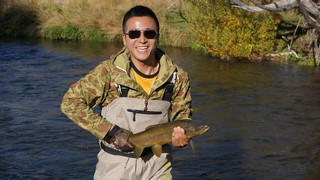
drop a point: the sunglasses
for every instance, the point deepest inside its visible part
(149, 34)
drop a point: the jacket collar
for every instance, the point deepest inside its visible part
(122, 62)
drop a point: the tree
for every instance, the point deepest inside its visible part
(310, 9)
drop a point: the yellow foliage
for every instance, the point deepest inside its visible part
(231, 33)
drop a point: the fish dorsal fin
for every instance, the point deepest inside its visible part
(138, 151)
(157, 150)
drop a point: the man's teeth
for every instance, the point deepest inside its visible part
(142, 48)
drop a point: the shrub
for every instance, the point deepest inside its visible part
(18, 20)
(93, 34)
(72, 32)
(230, 33)
(53, 32)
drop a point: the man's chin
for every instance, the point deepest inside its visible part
(142, 57)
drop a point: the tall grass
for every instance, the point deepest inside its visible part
(97, 20)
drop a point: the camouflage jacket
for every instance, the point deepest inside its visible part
(99, 88)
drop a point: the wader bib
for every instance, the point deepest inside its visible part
(135, 115)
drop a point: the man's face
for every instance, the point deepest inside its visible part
(141, 48)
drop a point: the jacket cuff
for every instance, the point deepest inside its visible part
(111, 134)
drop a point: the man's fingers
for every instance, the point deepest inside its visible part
(179, 137)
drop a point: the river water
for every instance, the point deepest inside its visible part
(264, 117)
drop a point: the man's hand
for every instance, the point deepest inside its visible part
(179, 137)
(120, 141)
(119, 138)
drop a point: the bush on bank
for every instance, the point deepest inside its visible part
(72, 32)
(17, 20)
(231, 33)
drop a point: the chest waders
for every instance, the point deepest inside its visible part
(135, 115)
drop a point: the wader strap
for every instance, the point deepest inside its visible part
(123, 91)
(168, 93)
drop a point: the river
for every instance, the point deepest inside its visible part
(264, 117)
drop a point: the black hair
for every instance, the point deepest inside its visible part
(139, 11)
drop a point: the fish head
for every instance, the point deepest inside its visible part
(202, 128)
(196, 128)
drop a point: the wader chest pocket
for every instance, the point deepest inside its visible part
(135, 111)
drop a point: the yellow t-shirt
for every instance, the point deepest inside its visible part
(145, 81)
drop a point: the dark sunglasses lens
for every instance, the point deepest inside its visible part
(150, 34)
(134, 34)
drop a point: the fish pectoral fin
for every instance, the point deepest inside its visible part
(157, 150)
(192, 147)
(138, 151)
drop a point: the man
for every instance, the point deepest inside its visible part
(138, 87)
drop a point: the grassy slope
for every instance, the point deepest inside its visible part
(96, 20)
(100, 20)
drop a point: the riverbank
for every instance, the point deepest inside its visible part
(211, 27)
(86, 20)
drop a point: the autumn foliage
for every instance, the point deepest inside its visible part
(231, 33)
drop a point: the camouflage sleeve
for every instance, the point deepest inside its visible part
(181, 105)
(85, 94)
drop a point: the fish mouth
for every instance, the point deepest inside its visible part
(204, 128)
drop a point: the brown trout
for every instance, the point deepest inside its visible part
(157, 135)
